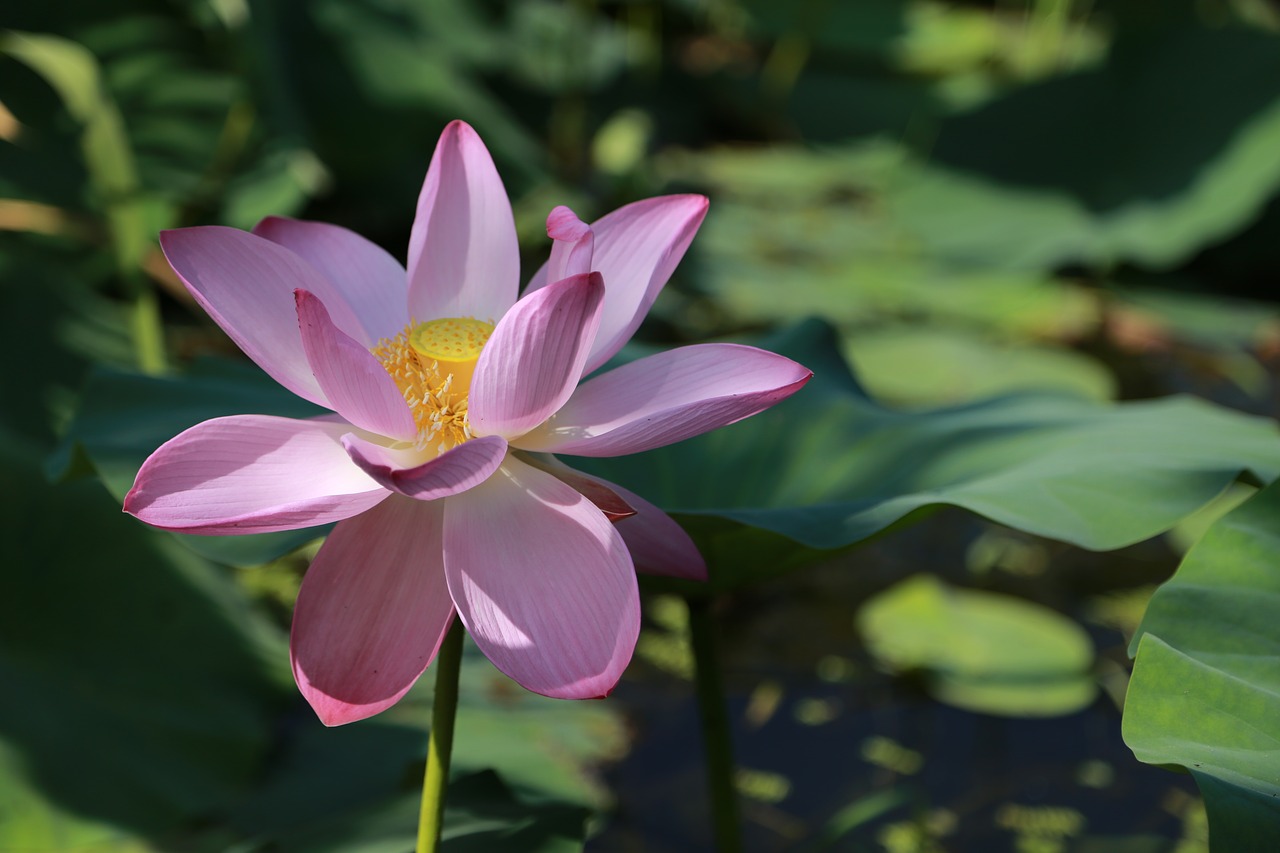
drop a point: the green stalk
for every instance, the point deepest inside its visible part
(717, 738)
(444, 710)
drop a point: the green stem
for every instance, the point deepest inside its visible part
(444, 710)
(717, 737)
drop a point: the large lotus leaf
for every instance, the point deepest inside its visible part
(140, 688)
(1162, 150)
(983, 652)
(353, 787)
(1205, 693)
(1167, 147)
(123, 417)
(482, 814)
(831, 467)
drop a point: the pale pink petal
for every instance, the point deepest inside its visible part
(455, 470)
(636, 249)
(356, 384)
(370, 279)
(666, 398)
(534, 358)
(572, 245)
(372, 611)
(251, 474)
(543, 582)
(463, 256)
(246, 285)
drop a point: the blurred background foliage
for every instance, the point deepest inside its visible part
(1008, 215)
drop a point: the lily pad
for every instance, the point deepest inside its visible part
(1205, 692)
(981, 651)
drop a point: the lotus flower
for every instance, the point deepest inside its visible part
(449, 395)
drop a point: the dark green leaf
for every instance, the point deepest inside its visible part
(143, 687)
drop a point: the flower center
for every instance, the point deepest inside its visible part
(432, 364)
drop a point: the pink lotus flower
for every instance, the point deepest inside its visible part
(447, 393)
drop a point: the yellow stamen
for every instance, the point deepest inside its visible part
(432, 364)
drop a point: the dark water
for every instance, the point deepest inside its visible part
(836, 755)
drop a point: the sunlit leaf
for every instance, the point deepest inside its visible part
(922, 365)
(1205, 692)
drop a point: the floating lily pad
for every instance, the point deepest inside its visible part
(981, 651)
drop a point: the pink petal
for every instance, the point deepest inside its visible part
(251, 474)
(463, 256)
(637, 247)
(372, 611)
(458, 469)
(246, 285)
(543, 582)
(658, 545)
(534, 358)
(572, 246)
(357, 385)
(371, 281)
(667, 398)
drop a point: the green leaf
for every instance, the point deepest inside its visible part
(983, 652)
(920, 365)
(124, 417)
(1205, 692)
(482, 814)
(831, 467)
(148, 687)
(1162, 150)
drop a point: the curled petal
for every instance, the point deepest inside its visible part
(357, 386)
(246, 285)
(572, 245)
(666, 398)
(371, 281)
(463, 256)
(534, 358)
(251, 474)
(636, 248)
(456, 470)
(543, 582)
(372, 611)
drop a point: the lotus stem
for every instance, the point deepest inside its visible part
(717, 736)
(444, 711)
